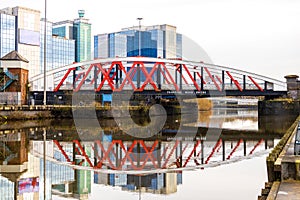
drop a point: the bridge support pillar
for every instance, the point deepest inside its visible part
(180, 80)
(223, 150)
(117, 155)
(266, 86)
(158, 153)
(95, 154)
(223, 80)
(138, 80)
(293, 86)
(158, 77)
(202, 79)
(244, 82)
(95, 77)
(245, 148)
(202, 152)
(117, 76)
(74, 79)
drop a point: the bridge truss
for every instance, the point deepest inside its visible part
(170, 76)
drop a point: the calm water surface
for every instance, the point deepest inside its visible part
(223, 159)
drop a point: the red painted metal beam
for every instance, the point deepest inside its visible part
(190, 75)
(164, 75)
(192, 152)
(106, 76)
(255, 83)
(63, 79)
(84, 78)
(213, 150)
(148, 77)
(98, 72)
(219, 79)
(254, 148)
(212, 78)
(171, 153)
(170, 77)
(149, 154)
(78, 76)
(62, 150)
(128, 76)
(183, 78)
(234, 149)
(83, 153)
(234, 81)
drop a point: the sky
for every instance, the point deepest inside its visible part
(260, 36)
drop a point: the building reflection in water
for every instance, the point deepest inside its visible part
(20, 171)
(153, 165)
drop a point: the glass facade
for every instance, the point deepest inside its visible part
(117, 45)
(28, 41)
(178, 45)
(146, 48)
(49, 46)
(78, 30)
(151, 41)
(82, 35)
(63, 29)
(60, 31)
(7, 189)
(7, 34)
(60, 52)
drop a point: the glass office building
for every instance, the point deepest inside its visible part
(49, 46)
(149, 41)
(147, 46)
(60, 51)
(20, 31)
(7, 33)
(28, 39)
(80, 31)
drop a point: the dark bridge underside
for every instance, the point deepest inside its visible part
(214, 93)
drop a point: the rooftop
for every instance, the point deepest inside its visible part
(14, 55)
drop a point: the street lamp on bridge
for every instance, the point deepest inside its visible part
(140, 20)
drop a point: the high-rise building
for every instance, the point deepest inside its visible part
(60, 51)
(26, 32)
(149, 41)
(7, 33)
(22, 30)
(79, 30)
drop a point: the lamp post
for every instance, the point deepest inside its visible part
(140, 20)
(45, 41)
(45, 99)
(138, 65)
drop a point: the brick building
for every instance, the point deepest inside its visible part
(13, 79)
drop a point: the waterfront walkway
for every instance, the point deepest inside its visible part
(288, 165)
(288, 190)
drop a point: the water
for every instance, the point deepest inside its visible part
(223, 159)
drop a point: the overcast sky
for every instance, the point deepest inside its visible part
(260, 36)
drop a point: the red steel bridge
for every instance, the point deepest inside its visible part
(160, 76)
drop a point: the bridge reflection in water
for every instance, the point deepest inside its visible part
(152, 165)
